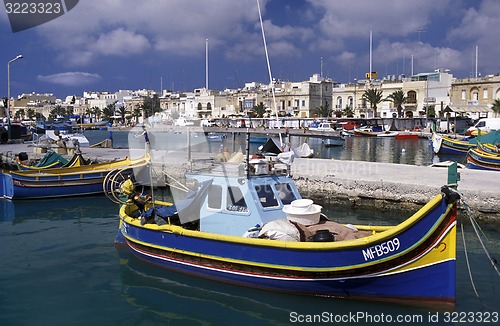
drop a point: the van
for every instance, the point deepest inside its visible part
(183, 122)
(485, 125)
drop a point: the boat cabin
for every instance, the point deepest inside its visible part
(234, 204)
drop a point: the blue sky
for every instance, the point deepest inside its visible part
(108, 45)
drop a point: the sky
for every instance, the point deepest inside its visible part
(111, 45)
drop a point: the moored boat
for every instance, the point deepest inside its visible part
(61, 182)
(445, 145)
(484, 157)
(251, 227)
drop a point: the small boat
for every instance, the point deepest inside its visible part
(483, 157)
(368, 131)
(332, 141)
(68, 136)
(445, 145)
(248, 225)
(61, 182)
(406, 135)
(258, 139)
(52, 160)
(387, 134)
(212, 136)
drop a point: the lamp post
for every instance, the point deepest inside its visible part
(8, 94)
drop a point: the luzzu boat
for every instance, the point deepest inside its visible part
(235, 228)
(61, 182)
(446, 145)
(484, 157)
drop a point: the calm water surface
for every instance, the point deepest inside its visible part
(370, 149)
(60, 267)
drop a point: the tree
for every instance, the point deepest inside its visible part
(31, 114)
(136, 113)
(348, 112)
(122, 111)
(109, 111)
(374, 96)
(58, 110)
(496, 106)
(259, 110)
(398, 98)
(324, 111)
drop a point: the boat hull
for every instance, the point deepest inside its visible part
(61, 182)
(479, 159)
(414, 262)
(445, 145)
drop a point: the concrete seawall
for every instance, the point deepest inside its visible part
(377, 184)
(355, 183)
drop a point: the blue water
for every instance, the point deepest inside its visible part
(60, 267)
(370, 149)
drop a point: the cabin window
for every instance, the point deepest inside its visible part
(235, 201)
(266, 196)
(215, 197)
(285, 193)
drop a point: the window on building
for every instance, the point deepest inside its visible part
(412, 97)
(464, 94)
(303, 103)
(485, 93)
(475, 96)
(339, 102)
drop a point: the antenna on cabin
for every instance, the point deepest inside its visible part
(269, 70)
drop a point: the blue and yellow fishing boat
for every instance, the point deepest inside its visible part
(445, 145)
(61, 182)
(484, 157)
(253, 229)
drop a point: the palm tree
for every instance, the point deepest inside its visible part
(259, 110)
(398, 98)
(496, 106)
(324, 111)
(136, 113)
(374, 96)
(348, 112)
(122, 111)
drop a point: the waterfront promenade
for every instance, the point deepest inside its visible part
(352, 182)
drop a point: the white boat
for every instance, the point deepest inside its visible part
(68, 137)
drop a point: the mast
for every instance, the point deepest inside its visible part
(206, 64)
(269, 70)
(371, 40)
(477, 50)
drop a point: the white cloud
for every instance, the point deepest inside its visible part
(121, 42)
(70, 78)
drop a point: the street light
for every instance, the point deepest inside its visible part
(8, 94)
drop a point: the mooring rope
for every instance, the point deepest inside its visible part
(467, 261)
(476, 226)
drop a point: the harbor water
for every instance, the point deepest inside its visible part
(370, 149)
(60, 267)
